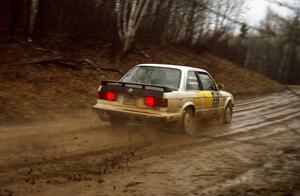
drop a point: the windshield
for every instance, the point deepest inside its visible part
(160, 76)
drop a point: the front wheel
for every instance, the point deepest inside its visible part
(187, 121)
(227, 115)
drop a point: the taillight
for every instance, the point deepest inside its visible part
(150, 101)
(109, 95)
(155, 102)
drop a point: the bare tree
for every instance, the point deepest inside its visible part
(34, 8)
(223, 10)
(130, 13)
(276, 55)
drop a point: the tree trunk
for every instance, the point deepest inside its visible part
(129, 16)
(34, 8)
(15, 18)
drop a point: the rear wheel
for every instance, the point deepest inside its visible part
(227, 115)
(188, 121)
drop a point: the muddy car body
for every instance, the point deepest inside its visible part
(163, 93)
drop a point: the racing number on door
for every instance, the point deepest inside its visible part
(216, 99)
(211, 93)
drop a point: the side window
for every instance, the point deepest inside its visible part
(207, 82)
(192, 81)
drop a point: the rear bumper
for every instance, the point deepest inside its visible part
(108, 113)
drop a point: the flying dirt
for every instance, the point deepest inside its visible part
(258, 153)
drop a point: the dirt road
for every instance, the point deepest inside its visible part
(257, 154)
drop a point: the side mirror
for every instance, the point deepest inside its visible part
(220, 86)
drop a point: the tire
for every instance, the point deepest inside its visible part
(227, 114)
(187, 123)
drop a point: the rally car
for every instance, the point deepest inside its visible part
(163, 94)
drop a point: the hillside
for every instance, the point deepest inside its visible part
(42, 91)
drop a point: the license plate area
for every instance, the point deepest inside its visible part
(130, 100)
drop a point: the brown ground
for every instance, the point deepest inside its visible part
(38, 92)
(257, 154)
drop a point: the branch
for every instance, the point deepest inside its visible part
(35, 61)
(73, 64)
(92, 64)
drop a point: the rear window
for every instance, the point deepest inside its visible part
(159, 76)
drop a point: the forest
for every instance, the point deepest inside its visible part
(122, 26)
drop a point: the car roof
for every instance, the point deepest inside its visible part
(181, 67)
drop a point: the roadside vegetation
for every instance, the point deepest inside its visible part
(130, 26)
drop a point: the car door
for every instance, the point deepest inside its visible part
(193, 88)
(210, 92)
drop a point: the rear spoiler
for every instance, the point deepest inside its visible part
(143, 86)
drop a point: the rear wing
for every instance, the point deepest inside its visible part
(135, 88)
(137, 85)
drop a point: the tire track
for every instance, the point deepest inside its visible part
(265, 111)
(258, 107)
(287, 94)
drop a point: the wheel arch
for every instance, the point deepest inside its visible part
(188, 105)
(229, 100)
